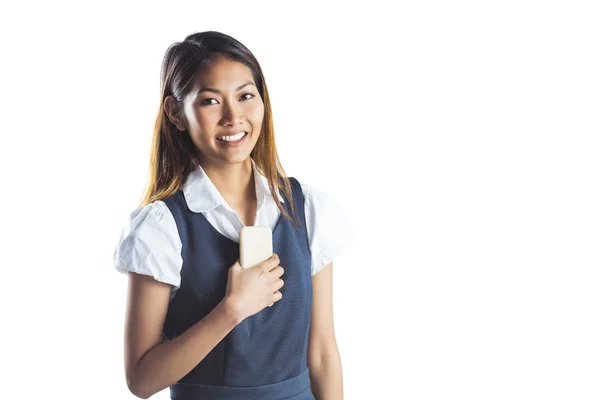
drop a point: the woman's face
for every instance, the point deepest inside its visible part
(223, 101)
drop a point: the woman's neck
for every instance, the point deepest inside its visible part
(235, 182)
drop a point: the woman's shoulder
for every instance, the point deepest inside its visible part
(150, 212)
(150, 223)
(317, 198)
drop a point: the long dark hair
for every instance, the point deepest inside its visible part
(173, 155)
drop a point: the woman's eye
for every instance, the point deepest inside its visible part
(207, 101)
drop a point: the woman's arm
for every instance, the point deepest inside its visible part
(151, 365)
(324, 362)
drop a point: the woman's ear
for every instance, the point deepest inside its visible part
(173, 112)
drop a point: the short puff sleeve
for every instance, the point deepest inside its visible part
(149, 244)
(330, 231)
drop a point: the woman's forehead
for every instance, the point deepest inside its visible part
(223, 74)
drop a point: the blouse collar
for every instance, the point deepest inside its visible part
(202, 195)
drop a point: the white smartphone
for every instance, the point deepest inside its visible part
(256, 246)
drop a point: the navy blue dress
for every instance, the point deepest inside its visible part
(265, 356)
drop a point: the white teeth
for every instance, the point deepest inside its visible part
(233, 138)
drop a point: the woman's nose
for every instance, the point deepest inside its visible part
(233, 114)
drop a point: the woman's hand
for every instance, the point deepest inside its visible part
(252, 289)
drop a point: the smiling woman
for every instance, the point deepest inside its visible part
(196, 321)
(215, 96)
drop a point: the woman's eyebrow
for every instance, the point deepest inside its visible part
(207, 89)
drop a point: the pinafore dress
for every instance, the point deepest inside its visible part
(265, 356)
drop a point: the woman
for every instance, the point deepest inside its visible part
(196, 321)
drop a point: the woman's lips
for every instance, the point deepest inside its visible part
(233, 144)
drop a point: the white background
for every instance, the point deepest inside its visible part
(460, 137)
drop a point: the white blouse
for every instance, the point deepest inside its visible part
(149, 243)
